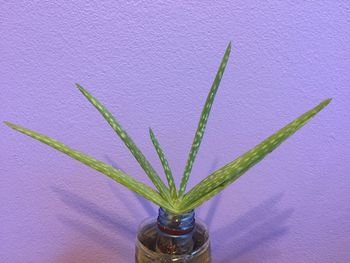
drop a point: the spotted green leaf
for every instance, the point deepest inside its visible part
(203, 122)
(117, 175)
(173, 201)
(221, 178)
(165, 164)
(141, 159)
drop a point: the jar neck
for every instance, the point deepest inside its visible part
(175, 224)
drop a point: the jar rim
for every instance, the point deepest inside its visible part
(197, 252)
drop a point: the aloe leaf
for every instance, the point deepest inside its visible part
(221, 178)
(118, 176)
(141, 159)
(187, 206)
(203, 121)
(165, 164)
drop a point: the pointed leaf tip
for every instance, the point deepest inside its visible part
(79, 87)
(141, 159)
(165, 164)
(220, 179)
(203, 121)
(323, 104)
(7, 123)
(327, 101)
(118, 176)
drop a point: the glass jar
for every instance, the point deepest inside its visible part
(172, 238)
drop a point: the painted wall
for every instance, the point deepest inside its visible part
(152, 64)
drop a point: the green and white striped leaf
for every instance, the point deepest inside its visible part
(221, 178)
(141, 159)
(118, 176)
(173, 201)
(165, 164)
(203, 121)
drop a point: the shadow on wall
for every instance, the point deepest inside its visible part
(214, 202)
(119, 235)
(146, 205)
(123, 239)
(85, 250)
(253, 231)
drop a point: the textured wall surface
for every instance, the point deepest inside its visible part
(152, 64)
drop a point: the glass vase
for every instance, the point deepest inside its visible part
(172, 238)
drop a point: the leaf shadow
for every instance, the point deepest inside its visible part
(109, 230)
(103, 217)
(255, 229)
(79, 253)
(214, 202)
(146, 205)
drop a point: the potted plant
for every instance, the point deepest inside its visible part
(176, 235)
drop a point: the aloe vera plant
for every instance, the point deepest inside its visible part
(168, 197)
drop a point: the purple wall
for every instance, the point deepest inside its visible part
(152, 65)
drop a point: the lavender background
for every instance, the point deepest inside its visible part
(152, 64)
